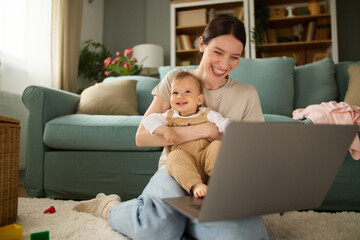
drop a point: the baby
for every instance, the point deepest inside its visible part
(190, 163)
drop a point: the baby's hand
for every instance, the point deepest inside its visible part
(171, 137)
(199, 190)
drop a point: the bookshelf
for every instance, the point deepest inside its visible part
(304, 37)
(199, 12)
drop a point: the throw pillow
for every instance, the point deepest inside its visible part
(342, 77)
(143, 89)
(352, 96)
(109, 98)
(315, 83)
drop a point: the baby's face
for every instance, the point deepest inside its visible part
(185, 96)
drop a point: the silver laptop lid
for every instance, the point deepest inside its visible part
(265, 168)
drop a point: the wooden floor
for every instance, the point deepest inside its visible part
(22, 191)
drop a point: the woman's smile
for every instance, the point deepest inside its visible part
(217, 71)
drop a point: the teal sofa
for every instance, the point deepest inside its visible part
(76, 156)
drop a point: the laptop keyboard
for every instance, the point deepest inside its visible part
(196, 206)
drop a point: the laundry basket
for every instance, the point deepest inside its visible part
(9, 169)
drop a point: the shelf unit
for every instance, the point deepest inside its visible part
(305, 50)
(192, 56)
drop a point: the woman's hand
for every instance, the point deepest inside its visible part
(143, 137)
(212, 132)
(168, 133)
(206, 130)
(185, 134)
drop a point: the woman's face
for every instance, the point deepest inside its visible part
(220, 56)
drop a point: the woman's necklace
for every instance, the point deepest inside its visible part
(217, 98)
(219, 92)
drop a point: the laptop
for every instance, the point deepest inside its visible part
(265, 168)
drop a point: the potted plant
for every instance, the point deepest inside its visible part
(91, 61)
(261, 23)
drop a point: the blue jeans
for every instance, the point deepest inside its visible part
(148, 217)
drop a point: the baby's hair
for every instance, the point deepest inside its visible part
(182, 74)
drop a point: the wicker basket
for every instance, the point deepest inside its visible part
(9, 169)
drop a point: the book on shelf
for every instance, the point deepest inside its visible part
(299, 58)
(270, 36)
(324, 29)
(310, 31)
(178, 43)
(318, 30)
(183, 42)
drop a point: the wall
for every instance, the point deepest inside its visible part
(348, 31)
(92, 26)
(158, 25)
(92, 21)
(128, 23)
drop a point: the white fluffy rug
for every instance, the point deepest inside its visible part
(69, 224)
(64, 224)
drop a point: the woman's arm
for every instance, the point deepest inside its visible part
(159, 105)
(143, 137)
(206, 130)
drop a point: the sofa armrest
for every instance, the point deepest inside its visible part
(307, 121)
(43, 104)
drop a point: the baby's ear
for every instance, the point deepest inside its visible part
(200, 99)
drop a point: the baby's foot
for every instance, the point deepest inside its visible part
(200, 190)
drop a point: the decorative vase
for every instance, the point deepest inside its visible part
(290, 11)
(314, 7)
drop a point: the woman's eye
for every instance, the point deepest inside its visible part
(217, 52)
(236, 58)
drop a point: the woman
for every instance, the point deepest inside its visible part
(148, 217)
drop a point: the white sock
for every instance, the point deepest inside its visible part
(100, 195)
(98, 206)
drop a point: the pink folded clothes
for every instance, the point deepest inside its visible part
(333, 113)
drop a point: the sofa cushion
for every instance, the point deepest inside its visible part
(315, 83)
(93, 132)
(109, 98)
(143, 89)
(352, 96)
(273, 79)
(278, 118)
(342, 78)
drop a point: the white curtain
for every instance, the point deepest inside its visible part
(25, 55)
(65, 43)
